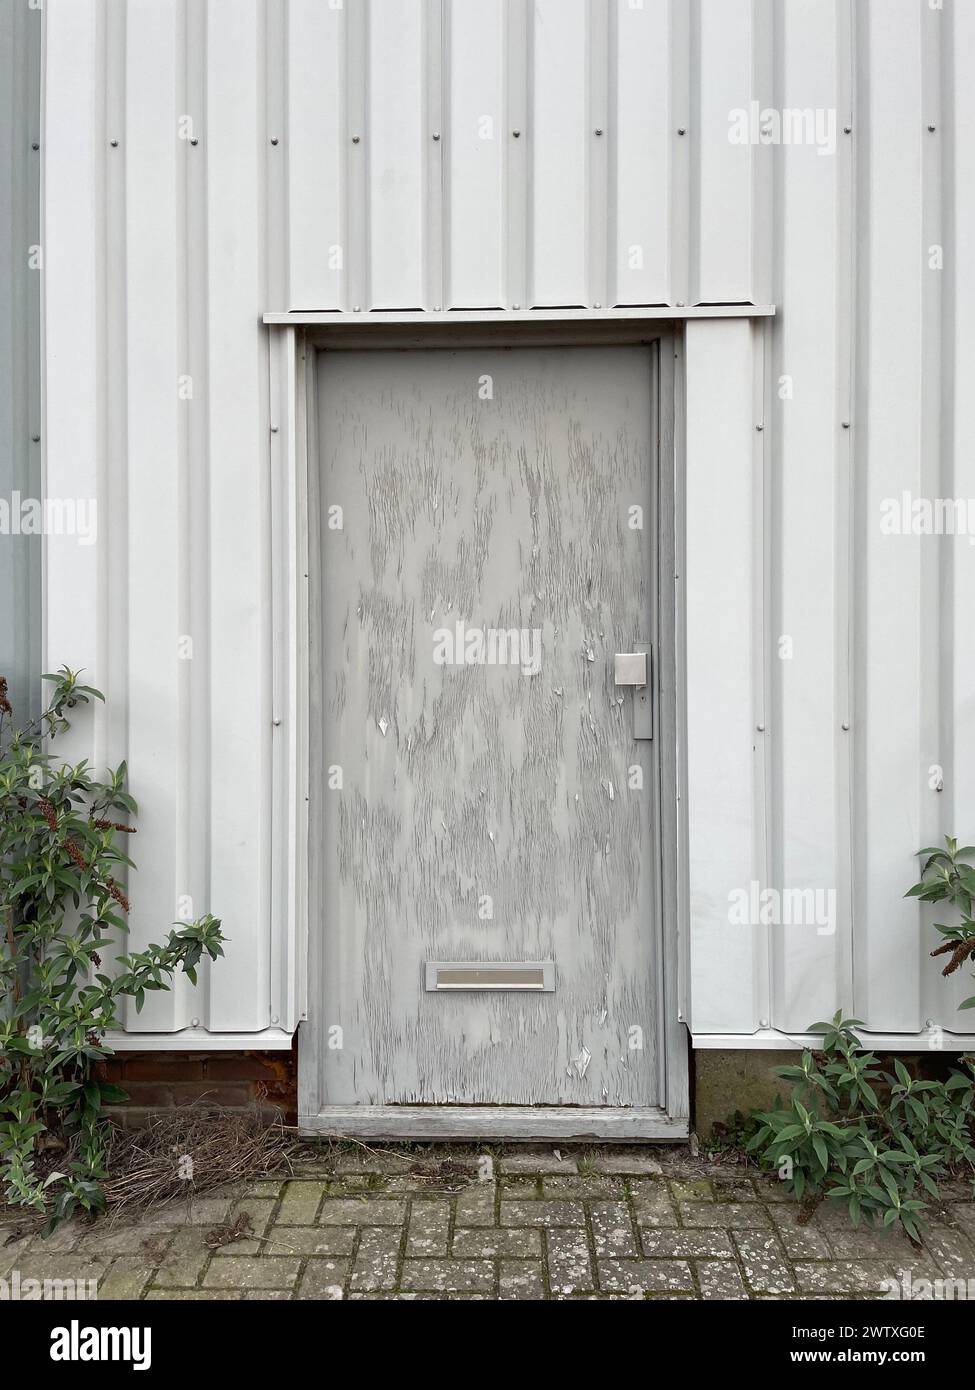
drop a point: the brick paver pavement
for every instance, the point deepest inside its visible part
(443, 1223)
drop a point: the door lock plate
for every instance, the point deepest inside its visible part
(634, 669)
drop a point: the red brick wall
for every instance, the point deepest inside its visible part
(238, 1080)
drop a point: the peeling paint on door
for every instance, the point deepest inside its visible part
(487, 809)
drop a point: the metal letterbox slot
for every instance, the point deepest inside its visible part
(531, 977)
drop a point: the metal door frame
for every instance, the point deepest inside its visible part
(293, 367)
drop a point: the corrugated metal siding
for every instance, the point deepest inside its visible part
(317, 183)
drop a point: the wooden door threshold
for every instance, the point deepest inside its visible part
(570, 1123)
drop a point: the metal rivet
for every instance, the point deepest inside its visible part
(276, 723)
(274, 139)
(763, 1023)
(599, 130)
(274, 429)
(846, 424)
(759, 428)
(516, 133)
(847, 129)
(35, 146)
(436, 135)
(681, 130)
(680, 305)
(35, 439)
(274, 1018)
(355, 139)
(846, 728)
(597, 305)
(932, 128)
(356, 309)
(760, 728)
(194, 141)
(516, 306)
(194, 1022)
(436, 308)
(114, 144)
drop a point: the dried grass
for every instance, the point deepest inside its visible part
(220, 1148)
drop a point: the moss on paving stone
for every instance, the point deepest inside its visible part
(423, 1227)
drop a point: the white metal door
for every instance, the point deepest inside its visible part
(490, 934)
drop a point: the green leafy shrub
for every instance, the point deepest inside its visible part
(874, 1140)
(947, 876)
(61, 832)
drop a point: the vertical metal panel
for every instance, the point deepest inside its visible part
(958, 730)
(559, 132)
(73, 366)
(642, 138)
(316, 150)
(240, 729)
(729, 986)
(290, 756)
(395, 155)
(156, 475)
(722, 82)
(811, 970)
(477, 139)
(889, 675)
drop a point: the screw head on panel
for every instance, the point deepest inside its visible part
(847, 129)
(274, 139)
(845, 727)
(516, 133)
(599, 130)
(681, 130)
(355, 139)
(436, 135)
(114, 144)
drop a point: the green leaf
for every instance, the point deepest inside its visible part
(112, 1095)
